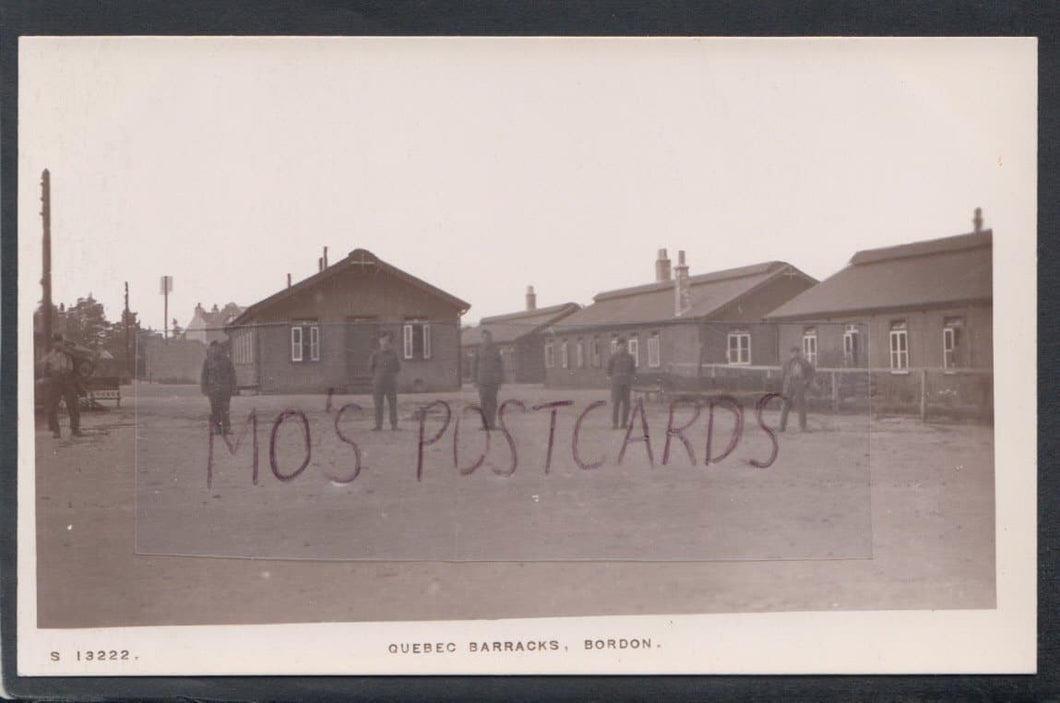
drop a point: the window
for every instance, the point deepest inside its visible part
(952, 328)
(614, 346)
(243, 347)
(899, 346)
(305, 341)
(564, 355)
(594, 352)
(579, 355)
(550, 355)
(809, 344)
(296, 343)
(654, 359)
(416, 340)
(314, 343)
(739, 348)
(633, 346)
(851, 346)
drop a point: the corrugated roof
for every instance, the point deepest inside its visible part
(655, 302)
(359, 258)
(947, 270)
(512, 326)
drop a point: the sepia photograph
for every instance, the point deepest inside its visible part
(526, 355)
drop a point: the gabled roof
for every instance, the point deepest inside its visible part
(654, 302)
(933, 272)
(358, 259)
(513, 326)
(221, 317)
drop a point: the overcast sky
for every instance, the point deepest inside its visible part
(486, 165)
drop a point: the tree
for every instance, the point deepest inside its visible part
(85, 323)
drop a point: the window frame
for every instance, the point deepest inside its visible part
(296, 348)
(409, 331)
(550, 355)
(314, 342)
(654, 351)
(899, 353)
(633, 347)
(738, 334)
(951, 342)
(564, 355)
(809, 339)
(851, 345)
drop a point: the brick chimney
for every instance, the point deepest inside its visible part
(531, 298)
(662, 267)
(977, 221)
(682, 289)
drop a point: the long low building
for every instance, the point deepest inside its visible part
(519, 337)
(676, 325)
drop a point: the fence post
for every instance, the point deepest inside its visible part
(835, 393)
(923, 394)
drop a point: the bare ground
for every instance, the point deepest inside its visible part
(909, 526)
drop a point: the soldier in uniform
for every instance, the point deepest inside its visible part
(798, 373)
(384, 366)
(61, 383)
(218, 383)
(488, 373)
(621, 369)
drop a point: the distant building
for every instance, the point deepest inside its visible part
(519, 337)
(319, 333)
(916, 318)
(209, 326)
(677, 324)
(926, 304)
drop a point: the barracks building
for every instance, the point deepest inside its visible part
(520, 338)
(319, 333)
(676, 325)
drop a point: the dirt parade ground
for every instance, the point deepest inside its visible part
(305, 515)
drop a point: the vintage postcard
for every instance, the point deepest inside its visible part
(526, 355)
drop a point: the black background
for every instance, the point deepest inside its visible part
(728, 18)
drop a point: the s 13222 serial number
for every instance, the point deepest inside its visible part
(89, 655)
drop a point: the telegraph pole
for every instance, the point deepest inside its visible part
(128, 355)
(46, 279)
(167, 286)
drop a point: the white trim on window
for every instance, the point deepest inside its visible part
(564, 355)
(296, 343)
(594, 352)
(406, 340)
(550, 355)
(951, 342)
(314, 343)
(899, 346)
(654, 356)
(738, 348)
(426, 340)
(579, 354)
(809, 345)
(633, 347)
(851, 345)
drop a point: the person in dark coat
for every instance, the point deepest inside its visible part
(218, 382)
(621, 369)
(61, 383)
(488, 373)
(384, 366)
(798, 374)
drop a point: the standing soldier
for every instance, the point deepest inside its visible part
(621, 369)
(488, 374)
(798, 373)
(218, 383)
(61, 383)
(384, 365)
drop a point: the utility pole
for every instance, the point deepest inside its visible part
(125, 318)
(167, 286)
(46, 279)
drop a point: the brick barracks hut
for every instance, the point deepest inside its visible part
(319, 333)
(677, 328)
(519, 337)
(917, 318)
